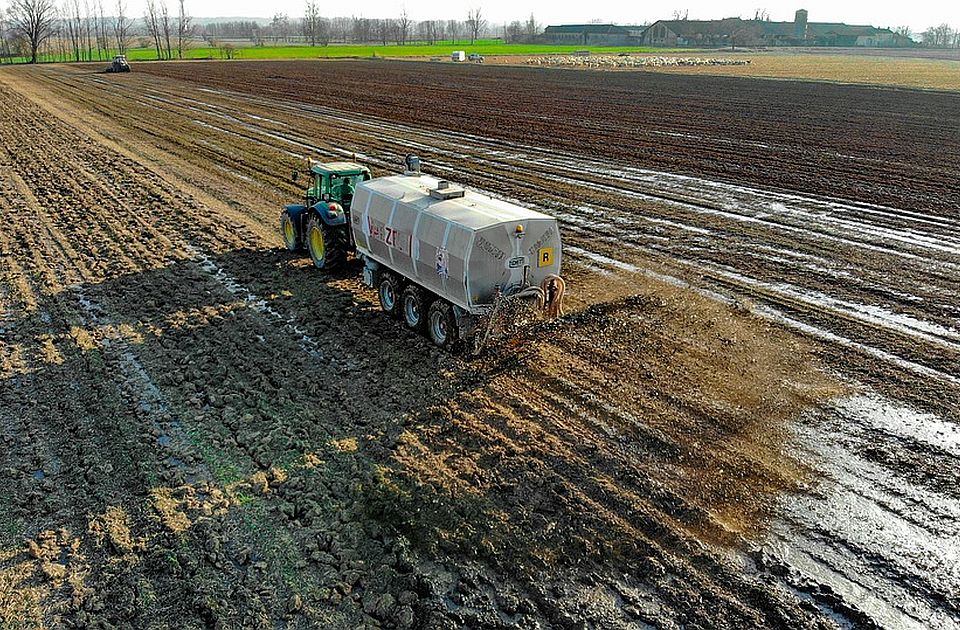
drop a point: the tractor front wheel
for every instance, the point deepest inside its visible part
(288, 229)
(326, 248)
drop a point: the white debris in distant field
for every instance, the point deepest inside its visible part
(617, 61)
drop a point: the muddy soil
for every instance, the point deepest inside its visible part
(747, 419)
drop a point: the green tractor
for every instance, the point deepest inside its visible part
(322, 223)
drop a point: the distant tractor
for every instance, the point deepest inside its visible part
(119, 64)
(450, 262)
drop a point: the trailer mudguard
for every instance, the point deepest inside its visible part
(329, 217)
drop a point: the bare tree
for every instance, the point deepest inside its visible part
(938, 36)
(5, 52)
(34, 21)
(403, 27)
(475, 24)
(453, 30)
(98, 36)
(362, 30)
(513, 32)
(340, 28)
(70, 21)
(323, 31)
(61, 36)
(121, 28)
(59, 39)
(383, 29)
(311, 22)
(903, 31)
(280, 27)
(87, 24)
(185, 30)
(532, 29)
(166, 27)
(81, 29)
(151, 24)
(430, 31)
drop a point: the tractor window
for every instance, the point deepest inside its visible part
(322, 186)
(344, 186)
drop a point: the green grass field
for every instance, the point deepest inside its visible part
(484, 47)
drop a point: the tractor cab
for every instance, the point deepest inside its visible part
(335, 181)
(322, 224)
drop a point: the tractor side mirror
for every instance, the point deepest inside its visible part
(296, 176)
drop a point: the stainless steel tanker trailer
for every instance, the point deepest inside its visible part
(448, 261)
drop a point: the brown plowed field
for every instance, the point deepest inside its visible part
(747, 419)
(887, 146)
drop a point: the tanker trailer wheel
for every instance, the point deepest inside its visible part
(288, 230)
(389, 293)
(324, 244)
(441, 324)
(413, 307)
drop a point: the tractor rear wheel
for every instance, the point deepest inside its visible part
(388, 290)
(288, 229)
(413, 307)
(324, 244)
(442, 325)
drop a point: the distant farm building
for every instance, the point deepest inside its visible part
(594, 35)
(737, 32)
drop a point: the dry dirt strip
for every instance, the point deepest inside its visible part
(299, 461)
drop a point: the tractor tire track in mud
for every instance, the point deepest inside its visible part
(290, 456)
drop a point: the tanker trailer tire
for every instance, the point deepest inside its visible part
(413, 307)
(389, 291)
(442, 325)
(288, 230)
(324, 244)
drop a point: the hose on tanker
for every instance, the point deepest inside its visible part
(547, 297)
(531, 295)
(553, 287)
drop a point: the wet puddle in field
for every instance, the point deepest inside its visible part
(869, 533)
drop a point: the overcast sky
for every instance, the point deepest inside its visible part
(918, 14)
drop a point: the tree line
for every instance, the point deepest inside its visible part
(317, 30)
(90, 30)
(82, 30)
(942, 36)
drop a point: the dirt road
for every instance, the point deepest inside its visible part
(197, 425)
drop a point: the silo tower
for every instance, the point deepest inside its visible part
(800, 25)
